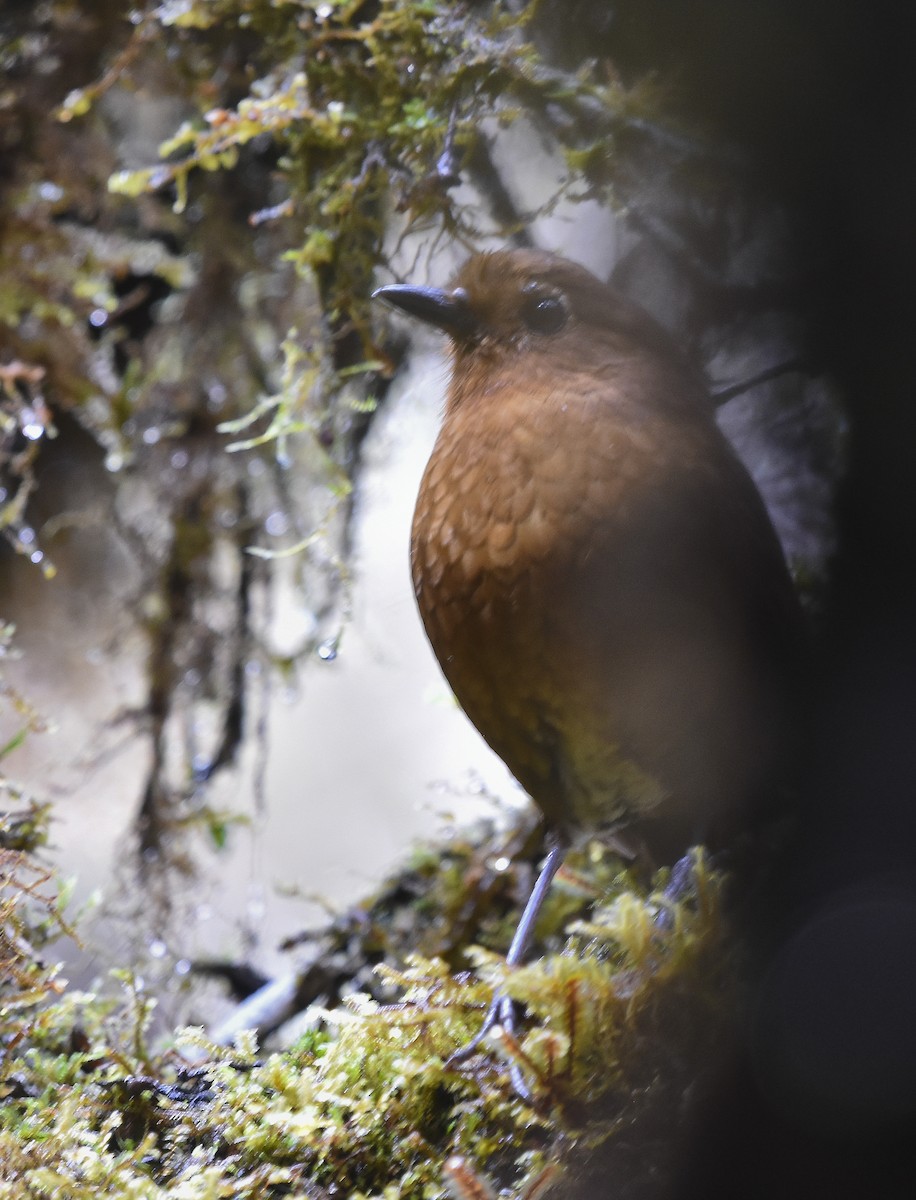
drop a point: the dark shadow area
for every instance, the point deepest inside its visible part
(822, 95)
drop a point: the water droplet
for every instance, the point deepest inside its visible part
(183, 966)
(201, 766)
(36, 556)
(32, 429)
(50, 191)
(203, 912)
(98, 317)
(114, 461)
(327, 651)
(179, 459)
(157, 948)
(257, 906)
(151, 435)
(216, 395)
(26, 535)
(277, 523)
(323, 11)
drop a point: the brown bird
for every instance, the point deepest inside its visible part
(596, 571)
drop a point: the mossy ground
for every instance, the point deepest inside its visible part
(618, 1020)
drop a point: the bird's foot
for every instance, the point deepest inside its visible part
(501, 1016)
(502, 1011)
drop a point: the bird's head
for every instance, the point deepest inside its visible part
(531, 302)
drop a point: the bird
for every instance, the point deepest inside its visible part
(596, 571)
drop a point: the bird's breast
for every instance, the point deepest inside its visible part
(606, 596)
(515, 525)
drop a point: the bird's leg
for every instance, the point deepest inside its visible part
(502, 1010)
(525, 931)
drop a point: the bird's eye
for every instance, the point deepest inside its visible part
(543, 312)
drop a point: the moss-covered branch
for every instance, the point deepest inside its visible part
(622, 1025)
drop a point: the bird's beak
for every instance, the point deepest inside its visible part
(448, 311)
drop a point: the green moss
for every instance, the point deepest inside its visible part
(371, 108)
(367, 1105)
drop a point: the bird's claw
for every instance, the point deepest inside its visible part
(501, 1015)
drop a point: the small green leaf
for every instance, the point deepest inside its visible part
(14, 743)
(131, 183)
